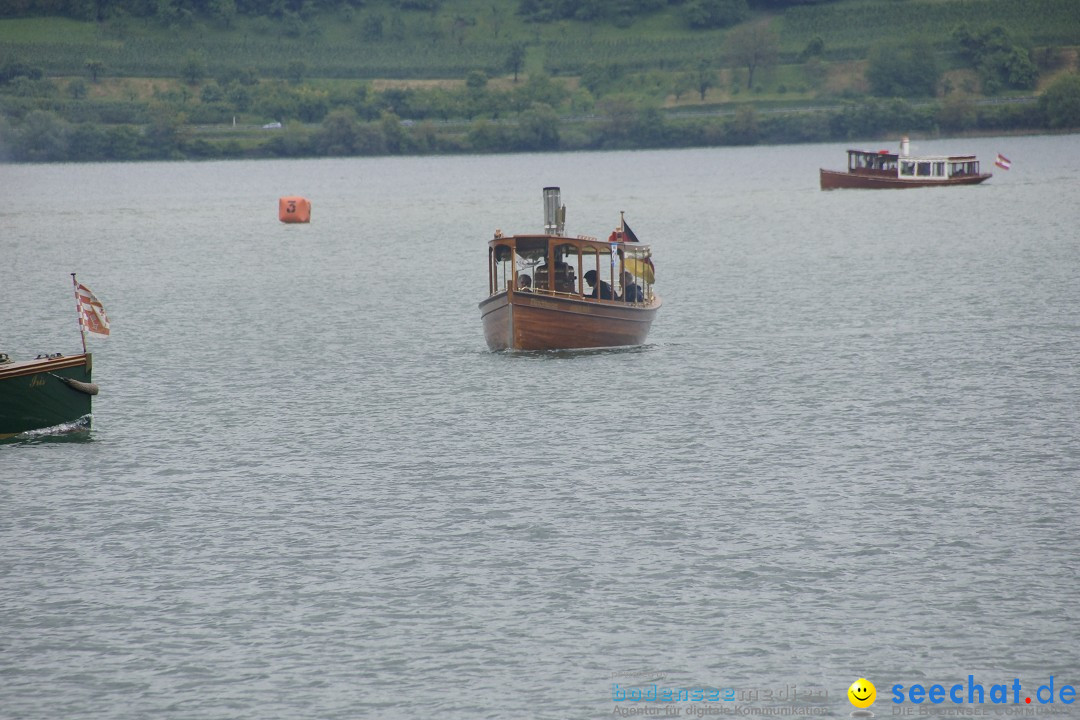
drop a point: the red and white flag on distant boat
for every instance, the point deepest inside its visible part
(91, 313)
(1003, 162)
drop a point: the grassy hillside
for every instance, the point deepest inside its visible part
(466, 35)
(198, 86)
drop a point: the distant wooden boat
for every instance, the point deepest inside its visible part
(884, 169)
(553, 292)
(45, 392)
(52, 390)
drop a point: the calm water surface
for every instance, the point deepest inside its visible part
(850, 449)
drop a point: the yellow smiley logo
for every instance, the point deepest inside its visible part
(862, 693)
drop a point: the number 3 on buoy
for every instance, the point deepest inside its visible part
(294, 210)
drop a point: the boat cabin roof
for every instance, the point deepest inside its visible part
(890, 155)
(537, 242)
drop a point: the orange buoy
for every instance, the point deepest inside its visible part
(294, 210)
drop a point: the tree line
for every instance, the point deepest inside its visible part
(698, 13)
(43, 136)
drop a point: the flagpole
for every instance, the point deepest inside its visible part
(78, 312)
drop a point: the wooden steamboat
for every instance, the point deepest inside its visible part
(883, 169)
(549, 291)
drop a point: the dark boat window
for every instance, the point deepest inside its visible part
(939, 169)
(924, 169)
(566, 269)
(907, 168)
(590, 260)
(530, 255)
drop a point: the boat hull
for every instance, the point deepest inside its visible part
(33, 395)
(528, 321)
(836, 179)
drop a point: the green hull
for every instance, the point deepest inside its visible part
(32, 395)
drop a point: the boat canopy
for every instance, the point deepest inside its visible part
(558, 266)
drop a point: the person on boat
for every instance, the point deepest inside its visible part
(524, 283)
(599, 289)
(631, 290)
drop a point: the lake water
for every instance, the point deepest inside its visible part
(850, 449)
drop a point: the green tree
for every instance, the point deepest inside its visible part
(486, 136)
(683, 83)
(212, 92)
(42, 137)
(704, 78)
(122, 143)
(165, 134)
(600, 78)
(337, 136)
(1060, 102)
(95, 67)
(393, 132)
(999, 61)
(476, 80)
(540, 88)
(714, 13)
(515, 61)
(193, 69)
(538, 128)
(87, 143)
(753, 46)
(906, 70)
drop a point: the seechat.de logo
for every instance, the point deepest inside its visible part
(973, 693)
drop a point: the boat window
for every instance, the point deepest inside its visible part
(590, 260)
(924, 169)
(907, 167)
(939, 169)
(863, 161)
(638, 263)
(566, 269)
(501, 268)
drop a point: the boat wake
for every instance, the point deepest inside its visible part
(74, 431)
(580, 352)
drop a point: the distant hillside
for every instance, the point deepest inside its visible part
(429, 38)
(113, 79)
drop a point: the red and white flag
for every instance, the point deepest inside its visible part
(91, 313)
(1003, 162)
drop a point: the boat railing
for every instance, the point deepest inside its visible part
(648, 296)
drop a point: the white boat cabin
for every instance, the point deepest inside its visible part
(903, 165)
